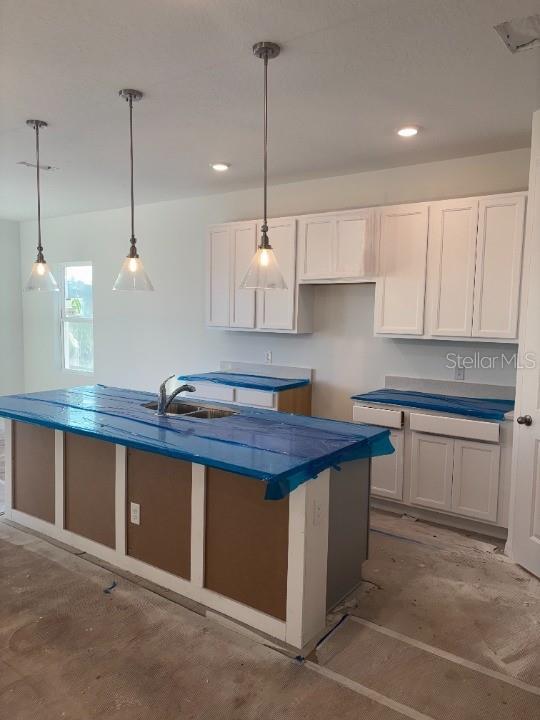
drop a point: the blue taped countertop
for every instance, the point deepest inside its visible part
(254, 382)
(283, 450)
(486, 409)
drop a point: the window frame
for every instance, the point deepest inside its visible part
(73, 319)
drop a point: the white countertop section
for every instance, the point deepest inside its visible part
(287, 372)
(450, 387)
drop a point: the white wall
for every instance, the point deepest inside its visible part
(141, 338)
(11, 333)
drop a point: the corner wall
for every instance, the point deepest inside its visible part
(11, 319)
(140, 339)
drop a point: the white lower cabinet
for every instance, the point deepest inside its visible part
(454, 465)
(387, 471)
(432, 458)
(460, 476)
(475, 485)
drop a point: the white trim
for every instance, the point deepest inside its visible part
(307, 560)
(367, 692)
(198, 519)
(120, 500)
(59, 488)
(8, 473)
(448, 656)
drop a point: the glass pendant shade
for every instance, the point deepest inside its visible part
(263, 272)
(132, 276)
(41, 279)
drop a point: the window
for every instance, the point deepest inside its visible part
(77, 318)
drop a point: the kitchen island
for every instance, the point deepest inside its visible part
(258, 515)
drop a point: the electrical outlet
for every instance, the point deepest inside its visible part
(135, 513)
(268, 357)
(459, 373)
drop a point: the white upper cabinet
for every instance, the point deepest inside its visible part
(243, 241)
(218, 281)
(452, 256)
(230, 249)
(276, 308)
(400, 290)
(498, 266)
(337, 247)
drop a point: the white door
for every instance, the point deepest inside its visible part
(475, 484)
(218, 276)
(353, 253)
(316, 236)
(498, 266)
(452, 254)
(432, 458)
(524, 528)
(242, 302)
(387, 471)
(277, 307)
(400, 289)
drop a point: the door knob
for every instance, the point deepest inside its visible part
(524, 420)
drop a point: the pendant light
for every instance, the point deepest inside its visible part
(132, 275)
(263, 272)
(41, 278)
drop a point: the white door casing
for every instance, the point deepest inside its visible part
(524, 527)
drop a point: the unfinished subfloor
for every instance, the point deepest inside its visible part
(445, 627)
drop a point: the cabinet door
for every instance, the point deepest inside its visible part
(498, 266)
(387, 471)
(354, 245)
(316, 236)
(452, 254)
(277, 307)
(475, 487)
(242, 302)
(432, 458)
(218, 276)
(400, 290)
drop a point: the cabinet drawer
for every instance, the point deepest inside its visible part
(378, 416)
(212, 391)
(455, 427)
(258, 398)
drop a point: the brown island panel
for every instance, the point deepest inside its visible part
(89, 486)
(33, 470)
(161, 486)
(247, 540)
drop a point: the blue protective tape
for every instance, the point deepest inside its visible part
(487, 409)
(254, 382)
(283, 450)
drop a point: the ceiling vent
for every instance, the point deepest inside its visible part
(33, 165)
(521, 33)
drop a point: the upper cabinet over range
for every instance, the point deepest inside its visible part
(230, 249)
(443, 270)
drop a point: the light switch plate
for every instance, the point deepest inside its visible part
(135, 513)
(268, 357)
(459, 373)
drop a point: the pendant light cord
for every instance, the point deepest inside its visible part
(264, 239)
(40, 257)
(133, 250)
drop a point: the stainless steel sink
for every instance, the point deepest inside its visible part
(195, 411)
(175, 408)
(212, 413)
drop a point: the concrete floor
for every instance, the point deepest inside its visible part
(443, 628)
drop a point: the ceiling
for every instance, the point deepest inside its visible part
(350, 73)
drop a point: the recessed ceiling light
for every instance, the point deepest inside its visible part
(408, 131)
(220, 167)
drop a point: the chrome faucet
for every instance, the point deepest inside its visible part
(164, 401)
